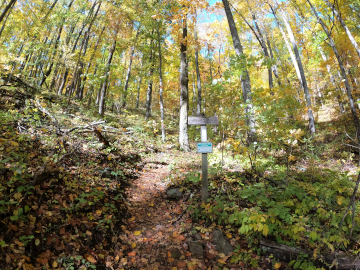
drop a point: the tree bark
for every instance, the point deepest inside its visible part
(244, 77)
(351, 37)
(184, 88)
(128, 73)
(332, 80)
(273, 67)
(301, 70)
(6, 9)
(107, 71)
(161, 90)
(139, 84)
(90, 61)
(149, 89)
(343, 72)
(7, 16)
(66, 73)
(47, 73)
(198, 78)
(262, 43)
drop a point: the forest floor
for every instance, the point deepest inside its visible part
(160, 230)
(79, 191)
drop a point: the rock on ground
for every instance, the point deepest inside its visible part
(174, 193)
(221, 243)
(196, 248)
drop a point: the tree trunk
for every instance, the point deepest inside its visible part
(184, 87)
(72, 84)
(274, 66)
(139, 84)
(288, 46)
(194, 93)
(61, 88)
(302, 73)
(161, 90)
(198, 78)
(7, 16)
(6, 9)
(351, 37)
(332, 80)
(343, 72)
(90, 61)
(245, 80)
(107, 71)
(128, 73)
(47, 73)
(262, 43)
(149, 89)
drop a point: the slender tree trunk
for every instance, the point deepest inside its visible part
(90, 61)
(288, 46)
(98, 95)
(161, 89)
(332, 80)
(150, 83)
(6, 9)
(184, 87)
(128, 73)
(343, 72)
(50, 10)
(107, 71)
(139, 84)
(245, 79)
(198, 78)
(7, 17)
(47, 73)
(351, 37)
(274, 66)
(194, 93)
(261, 40)
(148, 99)
(302, 73)
(266, 53)
(72, 84)
(61, 88)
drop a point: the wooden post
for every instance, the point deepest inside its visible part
(204, 148)
(204, 167)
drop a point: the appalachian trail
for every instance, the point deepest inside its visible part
(166, 134)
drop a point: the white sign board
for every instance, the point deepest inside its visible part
(204, 147)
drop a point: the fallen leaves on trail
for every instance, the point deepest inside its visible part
(59, 202)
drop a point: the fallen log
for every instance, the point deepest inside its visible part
(286, 254)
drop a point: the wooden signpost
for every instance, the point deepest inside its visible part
(204, 148)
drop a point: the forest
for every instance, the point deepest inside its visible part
(99, 167)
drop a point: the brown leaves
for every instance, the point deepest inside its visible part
(90, 258)
(132, 254)
(12, 227)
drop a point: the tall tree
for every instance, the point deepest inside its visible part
(161, 89)
(342, 70)
(128, 73)
(244, 77)
(301, 70)
(184, 88)
(348, 32)
(139, 83)
(150, 83)
(6, 9)
(198, 78)
(104, 85)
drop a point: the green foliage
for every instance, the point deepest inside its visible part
(304, 212)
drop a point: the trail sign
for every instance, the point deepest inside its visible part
(204, 147)
(203, 121)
